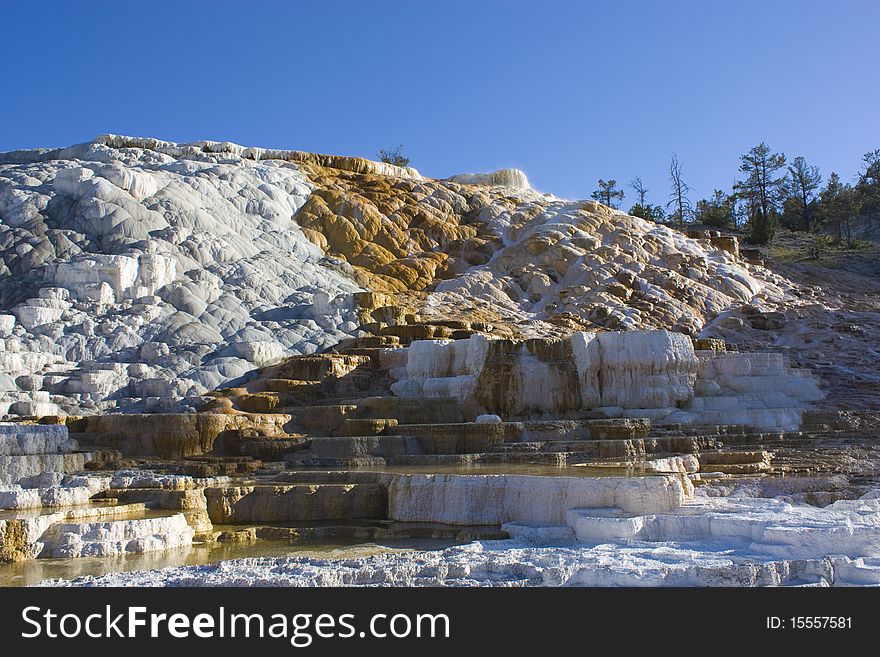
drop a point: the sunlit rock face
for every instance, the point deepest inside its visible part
(181, 261)
(30, 450)
(137, 274)
(652, 374)
(705, 542)
(496, 499)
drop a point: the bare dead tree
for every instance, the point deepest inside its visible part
(679, 196)
(639, 188)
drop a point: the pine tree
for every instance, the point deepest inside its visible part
(803, 181)
(716, 211)
(394, 156)
(838, 204)
(608, 193)
(868, 186)
(761, 190)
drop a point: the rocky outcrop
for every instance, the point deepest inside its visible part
(651, 374)
(293, 503)
(28, 450)
(138, 274)
(496, 499)
(95, 532)
(172, 435)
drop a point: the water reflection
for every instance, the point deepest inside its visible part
(27, 573)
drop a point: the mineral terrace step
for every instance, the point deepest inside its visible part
(296, 502)
(295, 462)
(322, 419)
(365, 426)
(110, 537)
(381, 531)
(461, 438)
(358, 446)
(319, 367)
(735, 461)
(486, 458)
(272, 449)
(411, 410)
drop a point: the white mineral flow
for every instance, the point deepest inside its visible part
(496, 499)
(652, 374)
(708, 542)
(103, 538)
(586, 260)
(176, 269)
(54, 515)
(137, 274)
(31, 450)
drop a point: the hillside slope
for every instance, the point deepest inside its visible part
(138, 274)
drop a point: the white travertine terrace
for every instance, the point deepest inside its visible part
(653, 374)
(137, 274)
(512, 178)
(706, 542)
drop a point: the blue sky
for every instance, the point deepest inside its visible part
(567, 91)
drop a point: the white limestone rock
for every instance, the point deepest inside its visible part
(635, 374)
(646, 369)
(261, 353)
(7, 322)
(496, 499)
(157, 243)
(513, 178)
(22, 439)
(115, 537)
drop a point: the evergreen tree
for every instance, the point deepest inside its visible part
(608, 193)
(762, 190)
(716, 211)
(803, 181)
(838, 203)
(394, 156)
(868, 186)
(648, 212)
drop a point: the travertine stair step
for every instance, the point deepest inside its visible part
(99, 537)
(297, 463)
(735, 461)
(322, 419)
(461, 438)
(365, 426)
(288, 385)
(698, 429)
(358, 446)
(374, 341)
(274, 402)
(521, 448)
(485, 458)
(619, 429)
(329, 477)
(273, 449)
(409, 332)
(296, 502)
(381, 531)
(411, 410)
(320, 367)
(598, 449)
(219, 467)
(156, 498)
